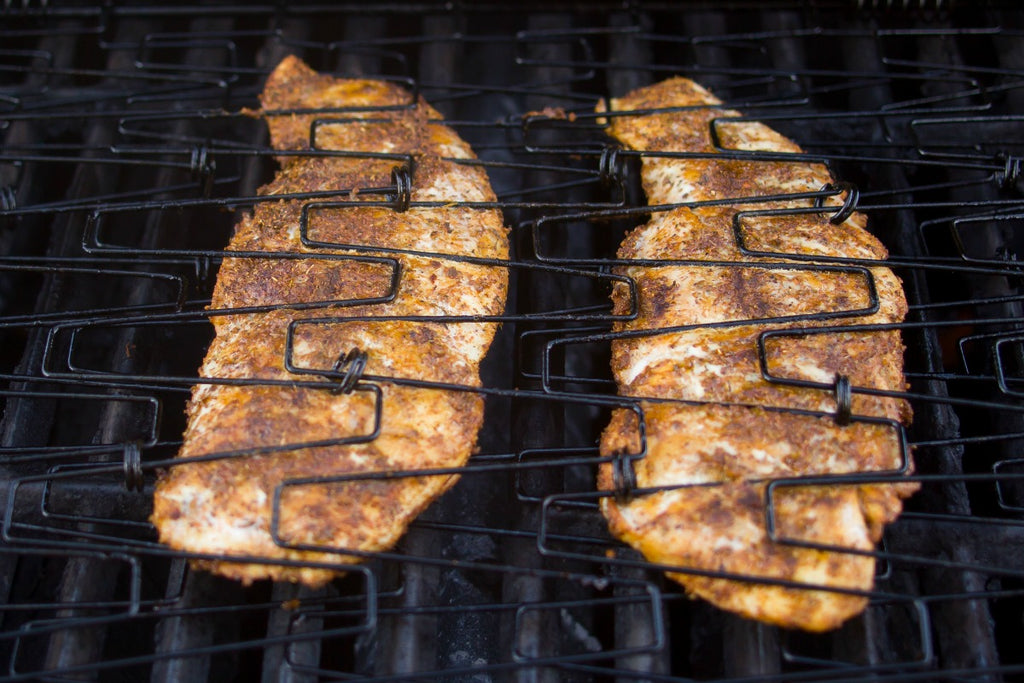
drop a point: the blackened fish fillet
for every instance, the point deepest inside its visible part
(716, 454)
(224, 507)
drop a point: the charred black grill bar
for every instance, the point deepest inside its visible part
(130, 145)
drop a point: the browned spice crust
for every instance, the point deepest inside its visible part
(225, 506)
(715, 456)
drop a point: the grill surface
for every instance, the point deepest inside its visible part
(128, 155)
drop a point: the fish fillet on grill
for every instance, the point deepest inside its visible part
(726, 432)
(267, 436)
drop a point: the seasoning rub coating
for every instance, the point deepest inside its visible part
(225, 506)
(727, 432)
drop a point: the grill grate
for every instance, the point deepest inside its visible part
(129, 149)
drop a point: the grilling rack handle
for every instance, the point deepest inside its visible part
(134, 476)
(850, 201)
(401, 178)
(624, 481)
(350, 365)
(843, 390)
(1012, 167)
(8, 198)
(203, 168)
(610, 166)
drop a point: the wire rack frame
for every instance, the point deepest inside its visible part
(965, 83)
